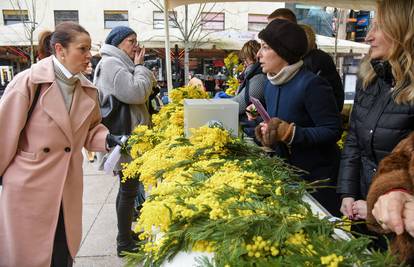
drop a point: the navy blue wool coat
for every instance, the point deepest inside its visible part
(309, 102)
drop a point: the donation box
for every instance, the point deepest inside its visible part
(200, 112)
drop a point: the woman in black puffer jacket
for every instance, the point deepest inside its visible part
(377, 125)
(383, 112)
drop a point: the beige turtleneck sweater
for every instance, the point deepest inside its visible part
(66, 85)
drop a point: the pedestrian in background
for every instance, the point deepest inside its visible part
(253, 84)
(120, 73)
(322, 64)
(41, 158)
(254, 78)
(88, 73)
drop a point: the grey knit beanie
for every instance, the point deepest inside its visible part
(118, 34)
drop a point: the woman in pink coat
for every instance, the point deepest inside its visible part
(41, 159)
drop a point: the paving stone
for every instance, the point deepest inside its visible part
(96, 188)
(98, 261)
(89, 215)
(101, 238)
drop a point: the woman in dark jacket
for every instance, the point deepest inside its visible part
(383, 113)
(305, 124)
(321, 63)
(252, 85)
(254, 78)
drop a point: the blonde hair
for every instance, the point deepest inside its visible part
(249, 50)
(310, 35)
(395, 19)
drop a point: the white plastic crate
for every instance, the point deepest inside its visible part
(200, 112)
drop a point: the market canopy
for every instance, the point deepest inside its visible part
(347, 4)
(234, 40)
(327, 44)
(170, 4)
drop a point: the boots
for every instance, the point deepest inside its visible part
(125, 203)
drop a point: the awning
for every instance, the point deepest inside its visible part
(347, 4)
(234, 40)
(170, 4)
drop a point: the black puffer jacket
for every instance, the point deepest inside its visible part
(377, 125)
(321, 63)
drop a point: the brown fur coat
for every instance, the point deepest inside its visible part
(395, 171)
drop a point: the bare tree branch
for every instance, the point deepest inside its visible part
(198, 15)
(173, 18)
(162, 36)
(191, 29)
(199, 23)
(200, 39)
(29, 24)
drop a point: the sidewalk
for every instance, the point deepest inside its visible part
(98, 247)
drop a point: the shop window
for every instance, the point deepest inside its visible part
(256, 22)
(212, 21)
(113, 18)
(15, 16)
(158, 19)
(66, 15)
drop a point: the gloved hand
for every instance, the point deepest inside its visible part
(113, 140)
(274, 131)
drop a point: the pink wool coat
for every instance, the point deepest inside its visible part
(42, 167)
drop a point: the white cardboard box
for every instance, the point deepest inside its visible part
(200, 112)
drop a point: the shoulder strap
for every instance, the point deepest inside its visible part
(32, 106)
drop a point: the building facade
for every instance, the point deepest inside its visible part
(222, 27)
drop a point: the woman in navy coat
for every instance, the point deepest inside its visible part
(305, 122)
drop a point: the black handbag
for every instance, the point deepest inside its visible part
(116, 116)
(29, 113)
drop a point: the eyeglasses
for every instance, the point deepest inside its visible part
(133, 42)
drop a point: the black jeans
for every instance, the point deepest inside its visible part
(60, 255)
(125, 204)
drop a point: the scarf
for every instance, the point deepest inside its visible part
(285, 74)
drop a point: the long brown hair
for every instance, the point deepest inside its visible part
(44, 49)
(395, 19)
